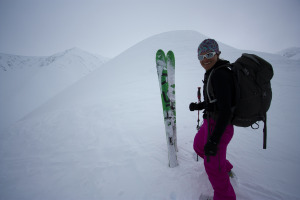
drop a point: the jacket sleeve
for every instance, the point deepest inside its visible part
(222, 82)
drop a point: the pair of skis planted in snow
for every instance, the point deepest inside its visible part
(165, 65)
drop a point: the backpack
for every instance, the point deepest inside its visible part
(252, 76)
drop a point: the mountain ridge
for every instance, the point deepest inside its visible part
(183, 43)
(26, 82)
(11, 61)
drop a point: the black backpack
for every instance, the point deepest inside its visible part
(252, 76)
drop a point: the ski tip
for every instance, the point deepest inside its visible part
(160, 51)
(171, 57)
(160, 55)
(170, 52)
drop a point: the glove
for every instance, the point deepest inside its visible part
(211, 148)
(196, 106)
(193, 106)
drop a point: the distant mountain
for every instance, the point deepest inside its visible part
(12, 62)
(27, 82)
(292, 53)
(74, 55)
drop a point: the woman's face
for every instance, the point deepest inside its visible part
(207, 64)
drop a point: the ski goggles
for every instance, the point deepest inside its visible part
(208, 56)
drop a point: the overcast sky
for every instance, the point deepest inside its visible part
(108, 27)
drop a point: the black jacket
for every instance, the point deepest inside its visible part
(223, 88)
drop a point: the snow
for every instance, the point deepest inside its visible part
(28, 82)
(103, 136)
(292, 53)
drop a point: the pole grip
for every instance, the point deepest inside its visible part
(199, 94)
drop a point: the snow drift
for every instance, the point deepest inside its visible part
(103, 137)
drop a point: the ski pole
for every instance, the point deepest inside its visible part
(199, 100)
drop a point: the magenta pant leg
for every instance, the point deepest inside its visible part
(200, 139)
(218, 166)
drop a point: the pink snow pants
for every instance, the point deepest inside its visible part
(218, 166)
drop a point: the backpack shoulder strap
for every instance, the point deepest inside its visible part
(209, 88)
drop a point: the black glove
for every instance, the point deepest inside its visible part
(196, 106)
(211, 148)
(193, 106)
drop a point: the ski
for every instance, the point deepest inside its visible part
(170, 59)
(162, 72)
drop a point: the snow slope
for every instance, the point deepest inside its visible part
(28, 82)
(292, 53)
(103, 137)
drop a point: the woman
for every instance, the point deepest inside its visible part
(214, 135)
